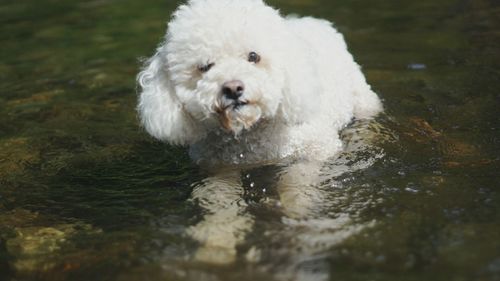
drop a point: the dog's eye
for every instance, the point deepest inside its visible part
(253, 57)
(206, 67)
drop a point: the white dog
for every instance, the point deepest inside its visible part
(242, 84)
(239, 83)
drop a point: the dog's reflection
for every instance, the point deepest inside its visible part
(226, 221)
(300, 196)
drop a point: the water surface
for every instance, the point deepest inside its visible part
(85, 194)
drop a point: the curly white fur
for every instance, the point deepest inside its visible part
(303, 90)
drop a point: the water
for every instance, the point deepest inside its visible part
(87, 195)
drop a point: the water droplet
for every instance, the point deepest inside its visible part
(336, 185)
(252, 184)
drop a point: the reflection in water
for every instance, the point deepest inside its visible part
(305, 191)
(225, 223)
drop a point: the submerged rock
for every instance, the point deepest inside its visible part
(36, 248)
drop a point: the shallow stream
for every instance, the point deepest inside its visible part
(85, 194)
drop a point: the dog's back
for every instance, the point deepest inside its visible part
(344, 85)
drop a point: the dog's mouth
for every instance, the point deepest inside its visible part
(238, 104)
(229, 104)
(238, 115)
(226, 106)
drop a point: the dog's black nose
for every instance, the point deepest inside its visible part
(233, 89)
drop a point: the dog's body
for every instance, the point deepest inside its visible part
(240, 84)
(300, 90)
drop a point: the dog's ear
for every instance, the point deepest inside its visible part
(160, 111)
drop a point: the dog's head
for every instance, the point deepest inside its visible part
(221, 66)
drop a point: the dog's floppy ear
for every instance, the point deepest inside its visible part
(159, 109)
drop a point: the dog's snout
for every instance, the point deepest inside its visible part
(233, 89)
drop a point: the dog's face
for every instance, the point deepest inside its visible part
(222, 67)
(221, 60)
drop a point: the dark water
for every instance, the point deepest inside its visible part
(85, 194)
